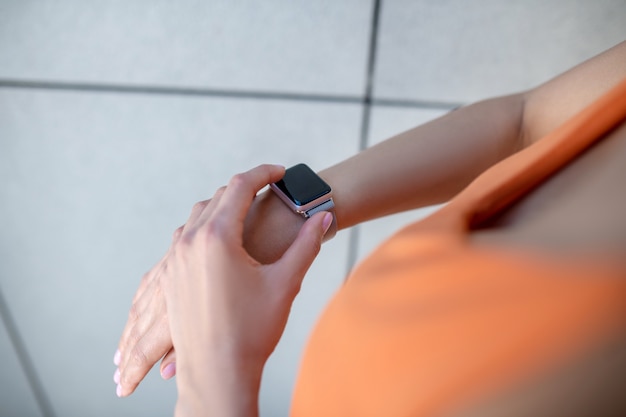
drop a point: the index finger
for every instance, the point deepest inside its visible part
(241, 190)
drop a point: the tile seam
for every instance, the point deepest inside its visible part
(19, 347)
(353, 238)
(225, 93)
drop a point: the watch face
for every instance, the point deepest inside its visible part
(302, 185)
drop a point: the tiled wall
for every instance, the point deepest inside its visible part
(116, 116)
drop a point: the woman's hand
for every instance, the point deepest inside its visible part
(227, 311)
(269, 229)
(146, 337)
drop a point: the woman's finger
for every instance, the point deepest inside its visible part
(241, 190)
(139, 314)
(168, 364)
(196, 211)
(202, 215)
(143, 354)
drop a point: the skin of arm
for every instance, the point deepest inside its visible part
(431, 163)
(407, 171)
(425, 165)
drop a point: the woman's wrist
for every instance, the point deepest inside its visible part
(270, 228)
(223, 386)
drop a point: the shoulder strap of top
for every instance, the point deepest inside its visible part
(507, 181)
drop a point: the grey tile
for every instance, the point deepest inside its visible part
(385, 123)
(290, 46)
(464, 51)
(16, 397)
(388, 121)
(92, 186)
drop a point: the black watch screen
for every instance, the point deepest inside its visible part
(302, 185)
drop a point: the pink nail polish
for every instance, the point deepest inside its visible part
(169, 371)
(118, 390)
(116, 376)
(117, 357)
(327, 221)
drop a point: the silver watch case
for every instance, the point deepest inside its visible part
(322, 203)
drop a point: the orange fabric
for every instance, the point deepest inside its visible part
(429, 323)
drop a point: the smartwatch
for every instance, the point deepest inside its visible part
(304, 192)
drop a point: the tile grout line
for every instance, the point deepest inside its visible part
(353, 242)
(208, 92)
(174, 90)
(24, 359)
(417, 104)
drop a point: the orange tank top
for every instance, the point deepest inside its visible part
(429, 323)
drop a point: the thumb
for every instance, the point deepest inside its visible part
(294, 264)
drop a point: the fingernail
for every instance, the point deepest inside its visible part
(169, 371)
(116, 376)
(118, 390)
(117, 357)
(328, 219)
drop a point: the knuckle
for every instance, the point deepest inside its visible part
(134, 337)
(138, 357)
(177, 233)
(317, 246)
(145, 281)
(292, 290)
(133, 313)
(215, 229)
(220, 191)
(199, 206)
(147, 276)
(238, 180)
(128, 379)
(157, 295)
(184, 244)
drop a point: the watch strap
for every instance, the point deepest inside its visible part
(328, 206)
(325, 206)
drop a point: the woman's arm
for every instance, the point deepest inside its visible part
(552, 103)
(426, 165)
(433, 162)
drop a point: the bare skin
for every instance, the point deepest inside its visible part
(580, 208)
